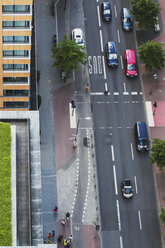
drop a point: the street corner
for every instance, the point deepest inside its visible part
(91, 236)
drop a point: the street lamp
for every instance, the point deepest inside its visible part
(155, 106)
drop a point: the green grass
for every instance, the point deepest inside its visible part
(5, 186)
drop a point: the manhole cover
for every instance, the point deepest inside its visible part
(108, 139)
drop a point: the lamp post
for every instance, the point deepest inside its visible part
(155, 106)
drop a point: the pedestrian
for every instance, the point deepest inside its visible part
(45, 241)
(68, 216)
(71, 238)
(49, 235)
(55, 209)
(53, 233)
(63, 222)
(60, 238)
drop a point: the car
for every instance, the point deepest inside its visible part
(141, 136)
(127, 188)
(77, 35)
(106, 11)
(130, 63)
(111, 54)
(126, 19)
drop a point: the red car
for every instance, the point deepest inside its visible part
(130, 63)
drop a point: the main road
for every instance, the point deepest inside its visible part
(124, 222)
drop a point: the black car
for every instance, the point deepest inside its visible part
(126, 19)
(111, 54)
(106, 11)
(126, 188)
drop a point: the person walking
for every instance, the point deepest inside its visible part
(68, 216)
(55, 209)
(53, 233)
(60, 238)
(63, 222)
(49, 235)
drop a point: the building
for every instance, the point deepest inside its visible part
(15, 54)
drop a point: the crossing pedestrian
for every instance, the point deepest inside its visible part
(60, 238)
(49, 235)
(63, 222)
(68, 216)
(55, 209)
(53, 233)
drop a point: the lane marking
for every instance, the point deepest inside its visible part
(121, 58)
(121, 242)
(124, 87)
(134, 93)
(112, 151)
(98, 15)
(105, 76)
(118, 35)
(115, 179)
(116, 93)
(106, 88)
(101, 40)
(118, 214)
(140, 222)
(132, 152)
(136, 184)
(115, 11)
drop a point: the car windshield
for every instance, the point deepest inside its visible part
(113, 56)
(143, 142)
(128, 190)
(106, 11)
(131, 67)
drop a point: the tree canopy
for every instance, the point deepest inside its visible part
(158, 153)
(152, 54)
(162, 215)
(67, 55)
(145, 12)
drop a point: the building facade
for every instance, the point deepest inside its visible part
(15, 54)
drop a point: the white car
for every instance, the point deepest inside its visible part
(77, 35)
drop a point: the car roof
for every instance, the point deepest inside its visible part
(126, 13)
(77, 31)
(106, 5)
(131, 58)
(142, 130)
(111, 47)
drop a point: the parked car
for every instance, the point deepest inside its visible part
(126, 19)
(111, 54)
(141, 136)
(77, 35)
(130, 63)
(106, 11)
(126, 188)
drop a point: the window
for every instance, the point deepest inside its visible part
(15, 93)
(15, 80)
(18, 67)
(15, 39)
(15, 24)
(15, 104)
(15, 53)
(16, 8)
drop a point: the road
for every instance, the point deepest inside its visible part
(124, 223)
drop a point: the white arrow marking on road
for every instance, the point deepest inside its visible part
(99, 64)
(105, 76)
(118, 35)
(132, 152)
(98, 15)
(121, 58)
(112, 150)
(140, 222)
(101, 40)
(115, 179)
(136, 185)
(115, 11)
(89, 65)
(118, 214)
(95, 64)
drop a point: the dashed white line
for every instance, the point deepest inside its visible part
(105, 76)
(140, 222)
(115, 11)
(124, 87)
(132, 154)
(134, 93)
(115, 179)
(121, 58)
(101, 40)
(118, 35)
(136, 188)
(121, 242)
(98, 15)
(112, 151)
(118, 214)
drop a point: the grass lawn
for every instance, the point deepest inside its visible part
(5, 186)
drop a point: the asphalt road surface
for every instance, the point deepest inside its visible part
(128, 223)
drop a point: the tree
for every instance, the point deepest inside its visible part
(152, 54)
(145, 12)
(67, 55)
(158, 153)
(162, 215)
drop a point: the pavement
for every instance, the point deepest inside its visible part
(58, 156)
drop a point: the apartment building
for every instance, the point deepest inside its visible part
(15, 54)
